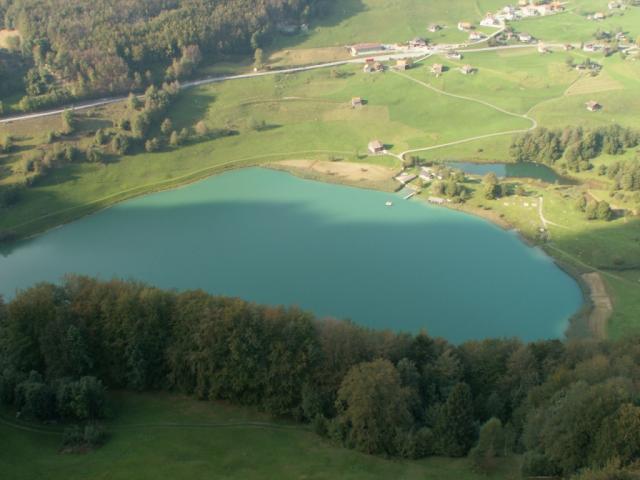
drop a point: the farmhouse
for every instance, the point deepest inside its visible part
(542, 48)
(375, 146)
(593, 106)
(418, 43)
(525, 38)
(404, 64)
(362, 48)
(437, 69)
(434, 27)
(475, 35)
(599, 16)
(356, 102)
(464, 26)
(454, 55)
(467, 70)
(614, 5)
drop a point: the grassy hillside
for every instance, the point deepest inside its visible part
(180, 438)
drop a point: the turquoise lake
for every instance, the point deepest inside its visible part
(337, 251)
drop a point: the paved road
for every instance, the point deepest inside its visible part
(398, 54)
(379, 56)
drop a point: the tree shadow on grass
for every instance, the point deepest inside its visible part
(190, 109)
(333, 14)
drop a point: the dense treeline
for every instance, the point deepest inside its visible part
(572, 147)
(81, 48)
(567, 406)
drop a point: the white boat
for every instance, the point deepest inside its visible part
(389, 204)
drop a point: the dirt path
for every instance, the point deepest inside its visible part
(602, 305)
(534, 123)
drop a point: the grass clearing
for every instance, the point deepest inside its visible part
(185, 438)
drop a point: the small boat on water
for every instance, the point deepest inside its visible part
(389, 204)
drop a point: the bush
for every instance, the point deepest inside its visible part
(535, 464)
(10, 195)
(35, 399)
(77, 439)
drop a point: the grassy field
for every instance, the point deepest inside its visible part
(162, 436)
(390, 21)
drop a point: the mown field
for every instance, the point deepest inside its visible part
(162, 436)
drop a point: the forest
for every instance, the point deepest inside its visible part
(572, 148)
(77, 49)
(570, 407)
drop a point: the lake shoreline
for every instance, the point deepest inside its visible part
(578, 325)
(579, 318)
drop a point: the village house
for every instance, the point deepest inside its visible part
(593, 106)
(525, 38)
(464, 26)
(542, 48)
(356, 102)
(426, 174)
(404, 64)
(434, 27)
(475, 35)
(453, 55)
(406, 177)
(371, 67)
(437, 69)
(614, 5)
(490, 21)
(375, 146)
(467, 70)
(362, 48)
(598, 16)
(591, 47)
(417, 43)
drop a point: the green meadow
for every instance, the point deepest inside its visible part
(574, 26)
(390, 21)
(184, 438)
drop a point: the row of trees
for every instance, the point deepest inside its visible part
(566, 406)
(105, 46)
(625, 175)
(574, 146)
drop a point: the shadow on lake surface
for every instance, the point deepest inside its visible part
(272, 238)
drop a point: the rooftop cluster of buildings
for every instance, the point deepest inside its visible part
(524, 9)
